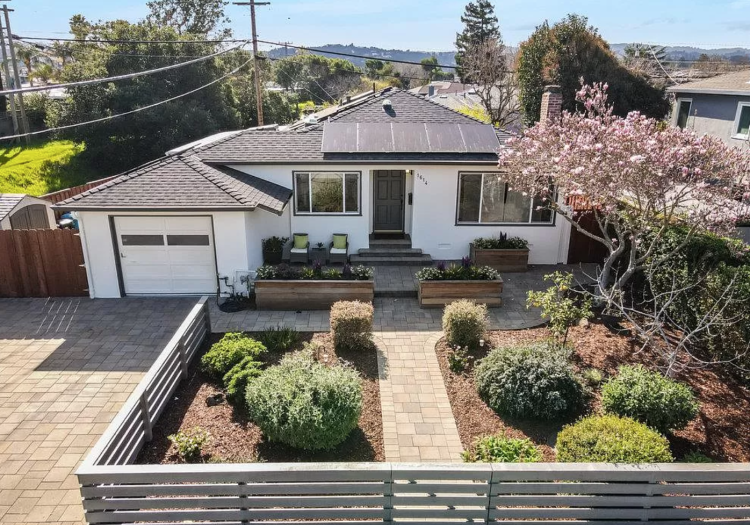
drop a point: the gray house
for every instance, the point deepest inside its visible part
(718, 106)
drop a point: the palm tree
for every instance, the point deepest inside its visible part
(27, 55)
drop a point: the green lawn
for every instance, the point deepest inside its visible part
(42, 167)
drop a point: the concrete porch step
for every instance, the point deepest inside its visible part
(390, 252)
(412, 260)
(386, 244)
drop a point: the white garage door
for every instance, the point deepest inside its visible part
(166, 255)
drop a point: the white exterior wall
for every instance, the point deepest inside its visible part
(431, 220)
(260, 224)
(230, 241)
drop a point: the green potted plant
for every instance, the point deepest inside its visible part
(502, 253)
(273, 249)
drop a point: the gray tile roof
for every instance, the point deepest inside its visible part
(304, 145)
(8, 201)
(183, 183)
(731, 83)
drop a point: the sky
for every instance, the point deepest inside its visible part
(429, 25)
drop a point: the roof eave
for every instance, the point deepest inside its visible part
(704, 91)
(240, 162)
(77, 207)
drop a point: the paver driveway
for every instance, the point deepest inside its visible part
(66, 367)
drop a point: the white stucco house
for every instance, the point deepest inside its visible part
(391, 163)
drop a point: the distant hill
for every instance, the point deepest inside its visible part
(692, 53)
(444, 57)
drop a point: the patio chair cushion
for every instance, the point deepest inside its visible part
(341, 251)
(300, 242)
(339, 242)
(299, 250)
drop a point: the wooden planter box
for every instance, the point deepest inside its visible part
(500, 260)
(435, 294)
(310, 295)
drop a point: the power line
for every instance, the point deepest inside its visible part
(137, 110)
(651, 48)
(106, 41)
(118, 77)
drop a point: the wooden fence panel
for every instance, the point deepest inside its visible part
(42, 263)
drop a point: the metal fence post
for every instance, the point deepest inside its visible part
(147, 429)
(183, 357)
(388, 499)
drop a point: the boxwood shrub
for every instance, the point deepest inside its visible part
(351, 325)
(464, 323)
(649, 397)
(611, 439)
(230, 350)
(305, 404)
(532, 381)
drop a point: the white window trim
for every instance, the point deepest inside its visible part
(343, 193)
(677, 113)
(479, 222)
(735, 135)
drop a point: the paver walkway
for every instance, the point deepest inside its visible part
(66, 368)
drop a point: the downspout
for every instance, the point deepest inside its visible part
(86, 256)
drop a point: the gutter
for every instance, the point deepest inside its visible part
(705, 91)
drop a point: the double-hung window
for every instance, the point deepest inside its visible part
(327, 192)
(742, 121)
(485, 198)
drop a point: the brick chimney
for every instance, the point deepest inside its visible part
(551, 104)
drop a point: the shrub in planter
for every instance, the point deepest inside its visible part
(501, 449)
(305, 404)
(533, 381)
(501, 242)
(454, 272)
(611, 439)
(273, 248)
(230, 350)
(286, 272)
(351, 324)
(649, 397)
(464, 323)
(237, 379)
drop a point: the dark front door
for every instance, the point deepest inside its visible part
(388, 202)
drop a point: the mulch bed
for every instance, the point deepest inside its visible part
(719, 431)
(236, 439)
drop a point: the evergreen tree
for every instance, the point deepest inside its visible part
(480, 25)
(572, 50)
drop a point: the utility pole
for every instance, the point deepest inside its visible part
(9, 82)
(256, 65)
(16, 76)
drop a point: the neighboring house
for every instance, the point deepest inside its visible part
(718, 106)
(19, 211)
(393, 163)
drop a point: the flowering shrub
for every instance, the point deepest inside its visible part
(351, 324)
(464, 323)
(286, 272)
(501, 242)
(454, 272)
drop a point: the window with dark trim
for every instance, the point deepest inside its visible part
(327, 192)
(485, 198)
(142, 240)
(683, 112)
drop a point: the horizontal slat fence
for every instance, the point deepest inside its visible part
(550, 493)
(132, 426)
(42, 263)
(114, 491)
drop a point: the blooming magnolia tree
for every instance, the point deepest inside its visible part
(637, 177)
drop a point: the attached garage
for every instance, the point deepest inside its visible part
(166, 254)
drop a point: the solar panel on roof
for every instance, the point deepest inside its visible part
(378, 137)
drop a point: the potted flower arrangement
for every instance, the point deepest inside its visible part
(273, 249)
(442, 284)
(501, 253)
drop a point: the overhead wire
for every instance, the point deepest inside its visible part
(33, 89)
(137, 110)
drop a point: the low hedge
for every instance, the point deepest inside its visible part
(464, 323)
(611, 439)
(351, 325)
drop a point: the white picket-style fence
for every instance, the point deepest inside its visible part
(114, 491)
